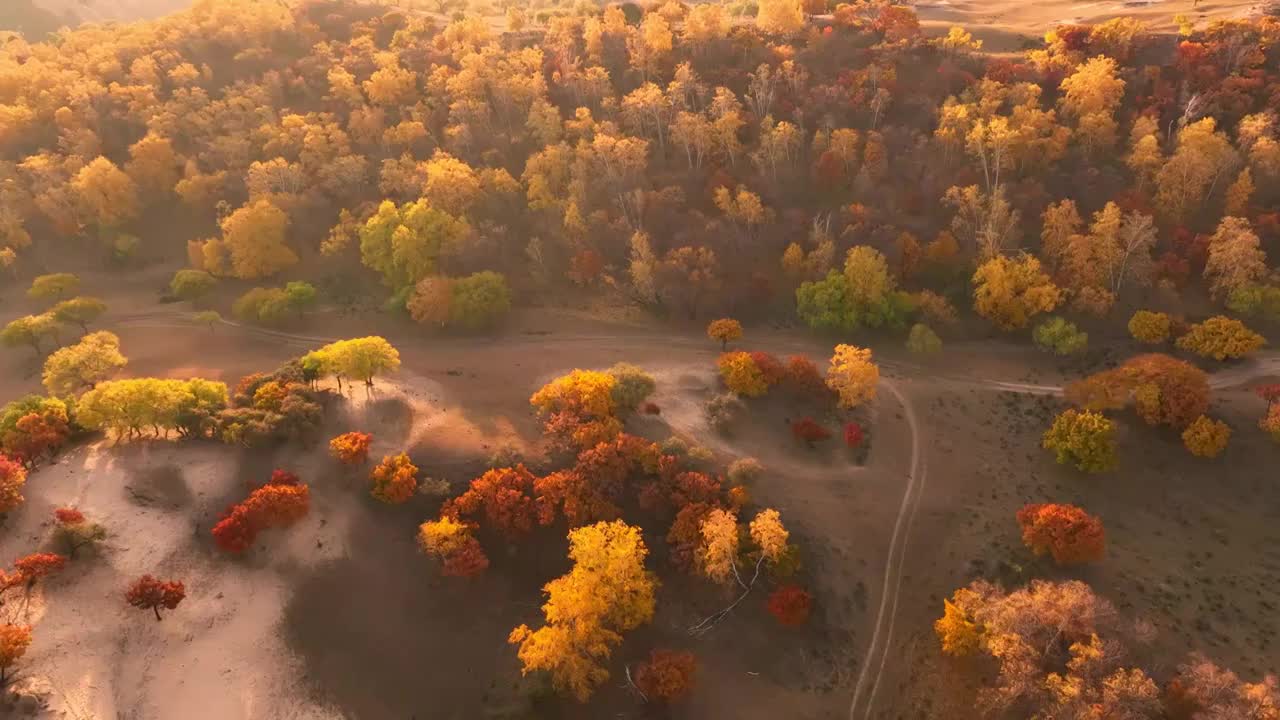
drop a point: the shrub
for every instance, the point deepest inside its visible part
(744, 471)
(853, 435)
(803, 376)
(808, 431)
(770, 367)
(724, 331)
(1270, 424)
(1206, 437)
(631, 386)
(12, 477)
(1084, 439)
(148, 593)
(351, 448)
(29, 569)
(270, 506)
(667, 676)
(394, 480)
(75, 530)
(723, 410)
(55, 286)
(478, 301)
(1251, 299)
(191, 285)
(741, 374)
(1150, 327)
(267, 306)
(1060, 337)
(453, 544)
(1067, 533)
(14, 641)
(922, 340)
(1221, 338)
(790, 605)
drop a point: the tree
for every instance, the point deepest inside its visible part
(31, 568)
(1202, 689)
(808, 431)
(191, 285)
(1091, 95)
(363, 358)
(29, 330)
(79, 311)
(129, 406)
(741, 374)
(299, 296)
(769, 535)
(667, 676)
(959, 635)
(922, 340)
(431, 302)
(1150, 327)
(1221, 337)
(505, 498)
(14, 641)
(107, 196)
(95, 358)
(718, 552)
(55, 286)
(780, 17)
(351, 448)
(790, 605)
(852, 375)
(1010, 291)
(148, 593)
(395, 479)
(607, 592)
(452, 543)
(724, 330)
(631, 386)
(1060, 337)
(75, 530)
(12, 477)
(1067, 533)
(270, 506)
(479, 300)
(1235, 258)
(1206, 437)
(404, 244)
(1084, 439)
(153, 165)
(253, 238)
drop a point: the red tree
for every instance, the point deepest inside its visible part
(804, 377)
(505, 498)
(68, 516)
(770, 367)
(31, 568)
(148, 593)
(270, 506)
(34, 436)
(808, 431)
(1067, 533)
(685, 535)
(668, 675)
(790, 605)
(351, 448)
(468, 560)
(853, 435)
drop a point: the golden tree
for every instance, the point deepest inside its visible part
(1010, 291)
(780, 17)
(725, 330)
(606, 593)
(1221, 337)
(1206, 437)
(108, 196)
(852, 375)
(1235, 257)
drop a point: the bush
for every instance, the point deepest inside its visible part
(808, 431)
(790, 605)
(922, 340)
(1221, 338)
(395, 480)
(478, 301)
(723, 411)
(270, 506)
(1083, 439)
(741, 374)
(1060, 337)
(1206, 437)
(268, 306)
(803, 376)
(744, 471)
(1150, 327)
(1260, 300)
(631, 386)
(351, 448)
(667, 676)
(191, 285)
(1067, 533)
(853, 435)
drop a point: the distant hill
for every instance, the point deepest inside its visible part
(32, 20)
(101, 10)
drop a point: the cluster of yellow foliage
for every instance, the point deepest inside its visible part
(606, 593)
(852, 375)
(1206, 437)
(583, 393)
(1150, 327)
(1010, 291)
(742, 375)
(1220, 338)
(1083, 438)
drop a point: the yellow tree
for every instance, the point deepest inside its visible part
(1061, 223)
(1236, 257)
(607, 592)
(253, 243)
(1010, 291)
(1145, 156)
(153, 165)
(452, 185)
(1187, 178)
(1238, 195)
(780, 17)
(718, 552)
(867, 273)
(769, 535)
(107, 195)
(726, 330)
(1091, 95)
(852, 375)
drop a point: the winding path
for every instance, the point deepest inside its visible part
(878, 650)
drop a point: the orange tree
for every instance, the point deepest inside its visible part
(1065, 532)
(725, 331)
(395, 479)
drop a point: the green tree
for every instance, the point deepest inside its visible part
(83, 365)
(79, 311)
(30, 330)
(1084, 439)
(362, 358)
(1060, 337)
(191, 285)
(479, 300)
(922, 340)
(300, 295)
(405, 243)
(55, 286)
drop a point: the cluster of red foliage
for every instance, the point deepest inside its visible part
(503, 496)
(351, 448)
(769, 366)
(148, 593)
(30, 568)
(68, 516)
(667, 676)
(804, 378)
(1164, 390)
(853, 435)
(808, 431)
(790, 605)
(35, 436)
(280, 503)
(1065, 532)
